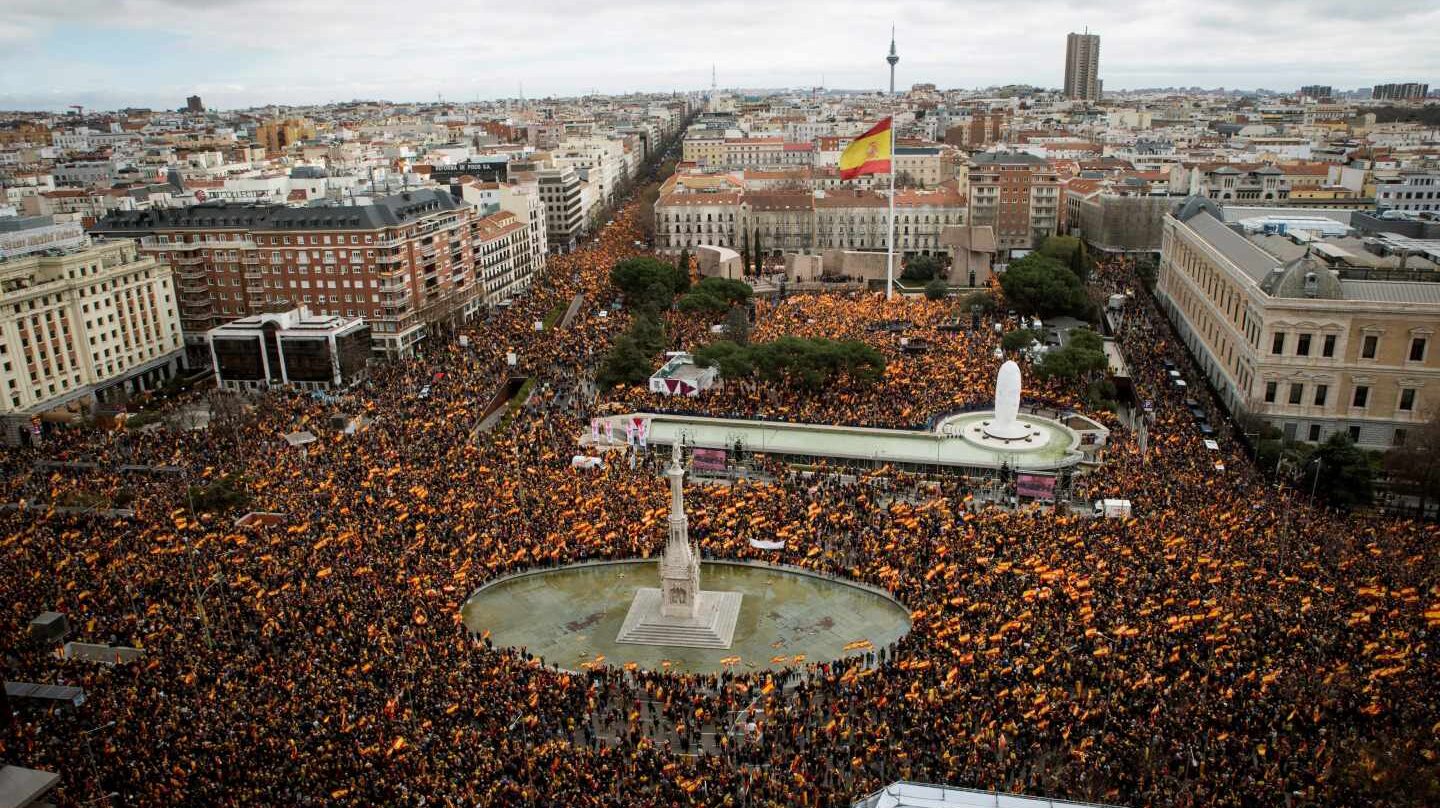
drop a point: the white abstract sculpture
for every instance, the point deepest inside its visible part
(1007, 405)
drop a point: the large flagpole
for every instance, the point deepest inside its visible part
(890, 255)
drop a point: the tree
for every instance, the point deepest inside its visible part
(745, 252)
(649, 281)
(737, 325)
(1415, 465)
(1147, 271)
(625, 364)
(759, 254)
(684, 263)
(921, 268)
(1018, 340)
(1083, 355)
(732, 358)
(648, 332)
(806, 363)
(984, 301)
(648, 198)
(1346, 478)
(220, 495)
(731, 291)
(702, 302)
(936, 290)
(1042, 286)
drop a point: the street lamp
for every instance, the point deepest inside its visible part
(95, 770)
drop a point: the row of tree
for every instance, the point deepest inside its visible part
(808, 363)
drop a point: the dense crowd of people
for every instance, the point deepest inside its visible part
(1228, 645)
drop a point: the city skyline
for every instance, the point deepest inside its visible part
(243, 54)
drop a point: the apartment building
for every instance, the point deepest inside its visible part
(706, 149)
(1082, 67)
(86, 322)
(278, 135)
(401, 263)
(754, 152)
(1313, 334)
(1409, 190)
(1231, 182)
(1018, 195)
(923, 166)
(788, 221)
(978, 130)
(859, 220)
(687, 219)
(1404, 91)
(506, 261)
(563, 194)
(522, 200)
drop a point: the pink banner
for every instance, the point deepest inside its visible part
(1035, 486)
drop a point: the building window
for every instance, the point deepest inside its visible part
(1270, 392)
(1322, 391)
(1302, 345)
(1328, 348)
(1314, 433)
(1367, 351)
(1296, 391)
(1354, 434)
(1277, 347)
(1361, 397)
(1399, 437)
(1417, 349)
(1407, 399)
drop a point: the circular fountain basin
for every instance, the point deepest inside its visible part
(570, 616)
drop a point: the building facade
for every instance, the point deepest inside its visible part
(93, 322)
(1082, 67)
(289, 349)
(1313, 336)
(401, 263)
(1408, 190)
(563, 193)
(807, 222)
(1018, 195)
(1404, 91)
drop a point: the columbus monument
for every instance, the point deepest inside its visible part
(679, 613)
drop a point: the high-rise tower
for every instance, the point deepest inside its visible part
(892, 59)
(1082, 67)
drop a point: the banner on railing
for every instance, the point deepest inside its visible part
(762, 544)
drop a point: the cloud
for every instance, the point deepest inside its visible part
(262, 51)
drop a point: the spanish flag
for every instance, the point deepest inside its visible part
(867, 154)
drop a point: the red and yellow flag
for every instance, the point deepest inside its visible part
(867, 154)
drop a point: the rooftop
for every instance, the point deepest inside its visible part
(388, 211)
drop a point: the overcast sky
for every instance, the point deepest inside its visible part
(238, 53)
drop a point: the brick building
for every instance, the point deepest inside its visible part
(401, 263)
(1018, 195)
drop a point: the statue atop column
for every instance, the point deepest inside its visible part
(679, 567)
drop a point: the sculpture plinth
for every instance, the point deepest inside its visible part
(679, 613)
